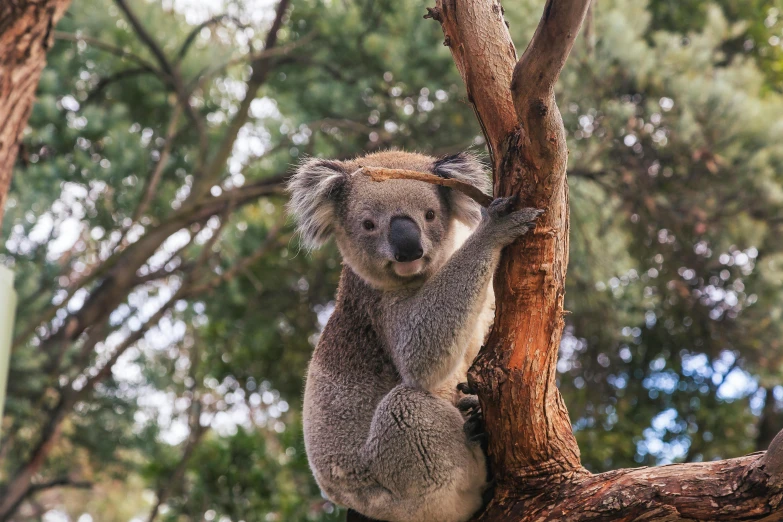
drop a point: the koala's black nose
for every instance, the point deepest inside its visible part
(405, 239)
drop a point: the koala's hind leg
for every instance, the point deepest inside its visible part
(424, 465)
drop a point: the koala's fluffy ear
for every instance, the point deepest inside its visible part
(315, 189)
(468, 168)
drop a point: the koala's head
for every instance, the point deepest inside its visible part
(392, 233)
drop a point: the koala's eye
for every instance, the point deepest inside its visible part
(368, 225)
(430, 215)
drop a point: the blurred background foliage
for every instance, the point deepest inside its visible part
(674, 346)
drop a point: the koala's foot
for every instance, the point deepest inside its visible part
(465, 388)
(474, 418)
(441, 482)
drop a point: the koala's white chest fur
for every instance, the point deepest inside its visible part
(473, 334)
(471, 341)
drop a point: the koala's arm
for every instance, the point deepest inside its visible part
(424, 329)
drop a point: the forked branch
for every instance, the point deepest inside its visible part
(532, 449)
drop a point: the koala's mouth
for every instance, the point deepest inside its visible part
(409, 268)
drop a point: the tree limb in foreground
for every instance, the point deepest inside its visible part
(382, 174)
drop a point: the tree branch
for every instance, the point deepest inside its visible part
(118, 273)
(261, 68)
(263, 249)
(170, 70)
(61, 482)
(539, 67)
(532, 449)
(515, 372)
(485, 61)
(108, 80)
(264, 54)
(117, 51)
(746, 488)
(381, 174)
(196, 30)
(151, 183)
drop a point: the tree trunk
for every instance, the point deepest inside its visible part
(532, 449)
(25, 36)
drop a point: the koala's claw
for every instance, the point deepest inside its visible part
(505, 225)
(475, 431)
(474, 425)
(501, 207)
(465, 388)
(468, 404)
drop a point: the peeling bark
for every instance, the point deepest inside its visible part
(25, 37)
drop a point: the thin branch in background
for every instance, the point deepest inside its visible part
(264, 54)
(146, 38)
(61, 482)
(271, 186)
(117, 51)
(588, 31)
(137, 335)
(335, 72)
(173, 482)
(196, 30)
(170, 70)
(158, 274)
(104, 371)
(103, 83)
(241, 265)
(152, 181)
(261, 68)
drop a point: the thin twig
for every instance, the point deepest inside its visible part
(170, 71)
(242, 264)
(283, 50)
(382, 174)
(103, 372)
(157, 173)
(117, 51)
(108, 80)
(61, 482)
(261, 68)
(196, 30)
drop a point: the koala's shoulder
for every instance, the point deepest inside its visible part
(351, 340)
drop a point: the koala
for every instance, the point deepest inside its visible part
(383, 433)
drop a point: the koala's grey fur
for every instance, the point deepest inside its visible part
(382, 433)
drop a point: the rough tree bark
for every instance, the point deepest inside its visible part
(534, 455)
(531, 444)
(25, 36)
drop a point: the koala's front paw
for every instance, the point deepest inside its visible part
(504, 225)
